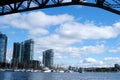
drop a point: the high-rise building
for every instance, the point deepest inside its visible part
(48, 58)
(117, 66)
(27, 51)
(23, 52)
(3, 47)
(16, 53)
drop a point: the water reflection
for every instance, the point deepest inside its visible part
(48, 76)
(14, 76)
(58, 76)
(6, 76)
(2, 76)
(42, 76)
(21, 76)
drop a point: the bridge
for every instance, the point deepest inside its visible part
(15, 6)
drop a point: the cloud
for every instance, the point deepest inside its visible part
(37, 31)
(93, 62)
(35, 22)
(40, 19)
(112, 60)
(106, 62)
(89, 60)
(88, 31)
(61, 32)
(39, 23)
(115, 50)
(93, 49)
(63, 45)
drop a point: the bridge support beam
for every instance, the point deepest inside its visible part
(15, 6)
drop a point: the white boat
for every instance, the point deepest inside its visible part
(47, 71)
(61, 71)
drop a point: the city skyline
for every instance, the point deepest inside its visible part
(79, 35)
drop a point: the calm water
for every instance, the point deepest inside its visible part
(58, 76)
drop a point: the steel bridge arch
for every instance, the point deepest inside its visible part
(15, 6)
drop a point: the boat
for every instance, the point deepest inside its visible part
(47, 71)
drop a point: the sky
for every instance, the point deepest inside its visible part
(79, 35)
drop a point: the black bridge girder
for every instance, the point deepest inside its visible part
(6, 2)
(15, 6)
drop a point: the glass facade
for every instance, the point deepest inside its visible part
(23, 52)
(16, 53)
(28, 51)
(48, 58)
(3, 47)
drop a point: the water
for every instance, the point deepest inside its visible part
(58, 76)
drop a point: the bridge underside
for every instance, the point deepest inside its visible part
(15, 6)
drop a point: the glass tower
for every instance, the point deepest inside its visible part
(23, 52)
(16, 53)
(28, 50)
(3, 47)
(48, 58)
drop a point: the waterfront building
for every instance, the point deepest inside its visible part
(23, 52)
(117, 66)
(16, 58)
(3, 47)
(48, 58)
(27, 48)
